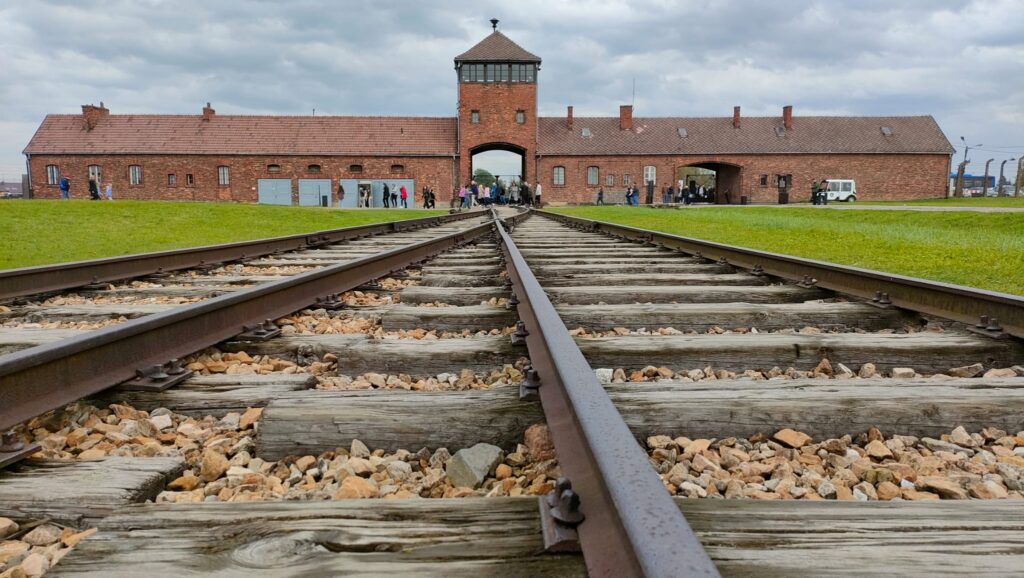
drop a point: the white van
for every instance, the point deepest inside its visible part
(842, 190)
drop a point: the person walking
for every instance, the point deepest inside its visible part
(536, 195)
(666, 194)
(702, 193)
(94, 190)
(463, 198)
(514, 193)
(394, 197)
(65, 188)
(823, 192)
(815, 188)
(341, 192)
(110, 192)
(405, 197)
(600, 196)
(387, 196)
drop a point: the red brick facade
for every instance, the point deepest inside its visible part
(878, 176)
(497, 105)
(243, 171)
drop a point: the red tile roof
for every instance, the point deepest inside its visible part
(756, 135)
(246, 135)
(497, 47)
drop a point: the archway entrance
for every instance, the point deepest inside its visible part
(502, 161)
(721, 181)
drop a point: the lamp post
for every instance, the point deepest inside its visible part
(999, 185)
(959, 191)
(984, 183)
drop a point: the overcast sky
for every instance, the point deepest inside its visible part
(959, 60)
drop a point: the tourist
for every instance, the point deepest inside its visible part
(600, 196)
(536, 194)
(341, 192)
(702, 193)
(666, 194)
(815, 188)
(94, 190)
(394, 197)
(650, 192)
(823, 192)
(387, 196)
(65, 188)
(463, 198)
(514, 193)
(110, 192)
(485, 195)
(405, 197)
(527, 194)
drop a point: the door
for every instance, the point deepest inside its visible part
(351, 199)
(274, 191)
(315, 192)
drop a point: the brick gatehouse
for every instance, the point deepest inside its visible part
(303, 159)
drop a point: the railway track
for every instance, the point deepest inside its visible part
(516, 366)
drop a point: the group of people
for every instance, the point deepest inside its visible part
(683, 194)
(518, 193)
(819, 192)
(94, 189)
(392, 196)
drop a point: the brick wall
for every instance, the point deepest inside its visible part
(879, 177)
(497, 103)
(244, 172)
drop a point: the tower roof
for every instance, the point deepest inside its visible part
(497, 48)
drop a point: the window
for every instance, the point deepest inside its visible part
(847, 187)
(223, 176)
(585, 132)
(355, 168)
(501, 72)
(474, 117)
(189, 179)
(625, 180)
(472, 73)
(398, 168)
(650, 174)
(521, 116)
(135, 175)
(764, 180)
(522, 73)
(491, 68)
(273, 168)
(95, 172)
(52, 175)
(592, 179)
(172, 179)
(559, 176)
(313, 169)
(609, 180)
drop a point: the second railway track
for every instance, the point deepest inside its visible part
(800, 431)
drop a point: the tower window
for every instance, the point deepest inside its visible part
(558, 177)
(521, 116)
(474, 117)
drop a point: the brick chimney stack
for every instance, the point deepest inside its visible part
(787, 117)
(208, 113)
(626, 117)
(92, 114)
(735, 117)
(568, 117)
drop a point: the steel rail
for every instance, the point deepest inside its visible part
(47, 377)
(47, 278)
(956, 302)
(631, 526)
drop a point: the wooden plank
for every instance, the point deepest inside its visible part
(367, 538)
(637, 266)
(771, 539)
(359, 354)
(703, 316)
(75, 492)
(16, 339)
(925, 352)
(168, 291)
(92, 310)
(700, 289)
(217, 394)
(599, 281)
(464, 296)
(430, 280)
(472, 317)
(317, 421)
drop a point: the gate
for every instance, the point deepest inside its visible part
(315, 192)
(274, 191)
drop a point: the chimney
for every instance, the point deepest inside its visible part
(208, 113)
(92, 114)
(735, 117)
(568, 117)
(787, 117)
(626, 117)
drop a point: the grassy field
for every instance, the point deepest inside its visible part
(984, 250)
(1012, 202)
(42, 232)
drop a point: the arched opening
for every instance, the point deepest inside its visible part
(721, 181)
(503, 161)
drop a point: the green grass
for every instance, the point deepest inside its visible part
(984, 250)
(42, 232)
(1012, 202)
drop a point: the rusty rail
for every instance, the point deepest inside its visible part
(630, 526)
(47, 377)
(47, 278)
(989, 312)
